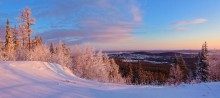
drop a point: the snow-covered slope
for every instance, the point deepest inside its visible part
(46, 80)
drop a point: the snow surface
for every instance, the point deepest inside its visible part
(33, 79)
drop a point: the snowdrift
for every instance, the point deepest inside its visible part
(28, 79)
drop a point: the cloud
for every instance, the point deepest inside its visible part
(100, 21)
(64, 35)
(93, 31)
(179, 29)
(136, 13)
(196, 21)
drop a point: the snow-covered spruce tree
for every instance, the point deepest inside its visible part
(202, 72)
(178, 71)
(36, 41)
(175, 76)
(183, 68)
(198, 68)
(27, 21)
(114, 75)
(40, 40)
(61, 55)
(52, 49)
(214, 65)
(15, 35)
(9, 46)
(67, 56)
(95, 66)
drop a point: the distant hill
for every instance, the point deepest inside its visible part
(167, 52)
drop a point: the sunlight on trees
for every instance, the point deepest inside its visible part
(86, 62)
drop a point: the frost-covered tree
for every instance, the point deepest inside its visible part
(39, 53)
(23, 31)
(178, 71)
(9, 46)
(21, 54)
(214, 65)
(52, 50)
(95, 65)
(15, 35)
(35, 41)
(61, 55)
(100, 57)
(114, 75)
(175, 75)
(85, 64)
(202, 72)
(25, 26)
(40, 40)
(8, 38)
(183, 68)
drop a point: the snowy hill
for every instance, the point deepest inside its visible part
(46, 80)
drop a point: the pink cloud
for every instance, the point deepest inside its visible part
(179, 29)
(100, 31)
(136, 13)
(117, 33)
(93, 30)
(196, 21)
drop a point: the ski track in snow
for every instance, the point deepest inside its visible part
(35, 79)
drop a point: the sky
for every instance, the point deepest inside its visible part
(122, 24)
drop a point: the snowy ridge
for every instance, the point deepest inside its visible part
(28, 79)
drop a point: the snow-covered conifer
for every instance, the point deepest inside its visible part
(175, 75)
(52, 50)
(202, 72)
(15, 34)
(9, 46)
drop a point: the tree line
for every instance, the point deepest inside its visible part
(174, 74)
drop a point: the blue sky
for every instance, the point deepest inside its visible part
(122, 24)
